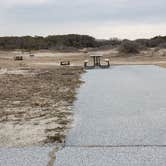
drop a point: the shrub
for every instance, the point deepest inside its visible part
(156, 41)
(162, 45)
(129, 47)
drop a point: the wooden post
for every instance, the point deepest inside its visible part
(94, 61)
(99, 61)
(85, 63)
(108, 62)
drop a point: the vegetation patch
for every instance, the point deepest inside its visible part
(34, 107)
(129, 47)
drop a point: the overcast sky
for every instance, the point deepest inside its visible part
(99, 18)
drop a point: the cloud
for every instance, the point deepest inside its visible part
(121, 18)
(89, 11)
(11, 3)
(101, 31)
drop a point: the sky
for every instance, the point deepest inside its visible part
(102, 19)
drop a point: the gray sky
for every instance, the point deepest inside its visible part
(99, 18)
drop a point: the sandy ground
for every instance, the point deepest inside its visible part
(35, 104)
(49, 58)
(36, 93)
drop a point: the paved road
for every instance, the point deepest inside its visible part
(36, 156)
(120, 119)
(112, 157)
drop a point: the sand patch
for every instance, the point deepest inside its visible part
(35, 107)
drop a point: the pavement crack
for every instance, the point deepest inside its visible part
(112, 146)
(52, 155)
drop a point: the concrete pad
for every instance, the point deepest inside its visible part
(123, 105)
(36, 156)
(111, 157)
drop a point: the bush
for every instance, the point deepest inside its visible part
(129, 47)
(143, 43)
(162, 45)
(156, 41)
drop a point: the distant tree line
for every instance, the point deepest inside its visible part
(135, 46)
(49, 42)
(73, 41)
(153, 42)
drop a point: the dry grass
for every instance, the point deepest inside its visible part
(37, 101)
